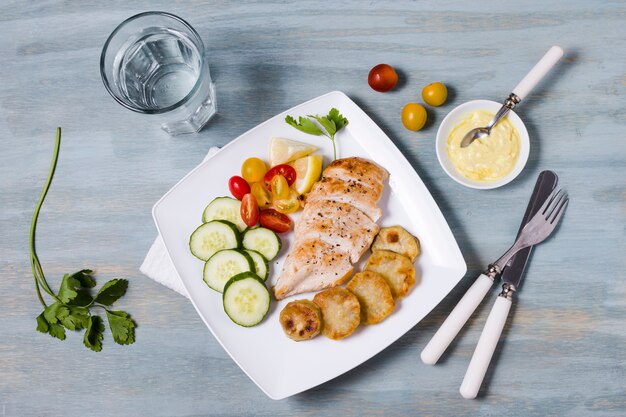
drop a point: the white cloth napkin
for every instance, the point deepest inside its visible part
(157, 264)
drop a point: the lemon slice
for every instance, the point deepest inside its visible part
(308, 172)
(287, 150)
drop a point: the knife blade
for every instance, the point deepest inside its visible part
(514, 270)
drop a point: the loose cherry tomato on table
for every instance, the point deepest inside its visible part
(435, 94)
(285, 170)
(261, 193)
(382, 78)
(414, 116)
(249, 210)
(279, 187)
(253, 170)
(238, 187)
(273, 220)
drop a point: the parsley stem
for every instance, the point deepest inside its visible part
(40, 279)
(99, 305)
(43, 303)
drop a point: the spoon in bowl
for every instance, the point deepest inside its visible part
(519, 93)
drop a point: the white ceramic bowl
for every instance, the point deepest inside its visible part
(455, 117)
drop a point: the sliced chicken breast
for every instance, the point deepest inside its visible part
(360, 170)
(338, 224)
(350, 192)
(312, 265)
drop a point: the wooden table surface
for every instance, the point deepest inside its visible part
(562, 352)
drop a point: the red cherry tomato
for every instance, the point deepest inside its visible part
(273, 220)
(285, 170)
(249, 210)
(238, 187)
(382, 78)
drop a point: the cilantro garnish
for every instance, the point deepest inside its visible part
(328, 125)
(74, 304)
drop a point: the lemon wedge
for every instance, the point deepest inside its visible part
(287, 150)
(308, 172)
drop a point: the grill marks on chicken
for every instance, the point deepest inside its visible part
(336, 227)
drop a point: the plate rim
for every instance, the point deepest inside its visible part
(457, 259)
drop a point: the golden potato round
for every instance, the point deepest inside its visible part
(374, 296)
(397, 270)
(397, 239)
(341, 312)
(301, 320)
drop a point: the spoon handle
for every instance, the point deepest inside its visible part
(538, 72)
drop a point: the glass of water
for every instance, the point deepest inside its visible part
(155, 63)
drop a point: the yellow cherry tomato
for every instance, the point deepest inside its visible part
(435, 94)
(253, 170)
(414, 116)
(261, 193)
(280, 188)
(287, 205)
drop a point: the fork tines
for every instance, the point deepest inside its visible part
(554, 206)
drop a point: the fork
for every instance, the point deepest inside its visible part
(537, 229)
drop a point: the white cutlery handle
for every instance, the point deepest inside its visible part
(486, 346)
(455, 321)
(538, 72)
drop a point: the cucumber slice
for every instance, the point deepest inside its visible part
(224, 265)
(224, 208)
(246, 299)
(260, 264)
(212, 237)
(262, 240)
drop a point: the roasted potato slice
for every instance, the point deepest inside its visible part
(397, 239)
(374, 296)
(397, 270)
(301, 320)
(341, 312)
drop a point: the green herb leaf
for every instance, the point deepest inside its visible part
(305, 125)
(93, 334)
(332, 123)
(67, 291)
(77, 318)
(84, 277)
(71, 290)
(327, 124)
(337, 118)
(56, 330)
(53, 311)
(111, 291)
(42, 324)
(122, 326)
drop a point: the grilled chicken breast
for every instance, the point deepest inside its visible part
(310, 266)
(350, 192)
(360, 170)
(337, 226)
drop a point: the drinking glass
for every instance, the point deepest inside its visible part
(155, 63)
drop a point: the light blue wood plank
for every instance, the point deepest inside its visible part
(563, 352)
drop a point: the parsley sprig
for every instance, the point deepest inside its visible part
(330, 125)
(74, 304)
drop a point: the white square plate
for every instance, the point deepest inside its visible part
(278, 365)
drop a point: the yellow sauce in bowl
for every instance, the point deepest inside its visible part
(487, 159)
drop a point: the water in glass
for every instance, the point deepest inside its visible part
(158, 69)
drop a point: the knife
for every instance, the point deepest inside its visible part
(546, 182)
(511, 277)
